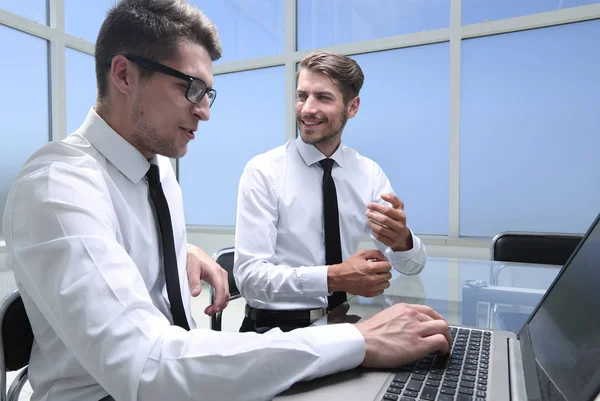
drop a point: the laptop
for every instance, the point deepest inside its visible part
(555, 356)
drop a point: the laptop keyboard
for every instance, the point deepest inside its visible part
(462, 375)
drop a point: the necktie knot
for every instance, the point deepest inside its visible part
(153, 174)
(327, 165)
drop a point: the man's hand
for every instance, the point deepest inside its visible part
(200, 267)
(389, 223)
(402, 334)
(365, 273)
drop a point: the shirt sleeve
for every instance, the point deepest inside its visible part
(63, 243)
(259, 274)
(407, 262)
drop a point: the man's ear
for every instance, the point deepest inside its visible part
(352, 107)
(121, 74)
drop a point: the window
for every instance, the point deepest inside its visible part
(247, 28)
(24, 105)
(403, 125)
(84, 18)
(248, 118)
(81, 87)
(530, 131)
(474, 11)
(327, 23)
(36, 10)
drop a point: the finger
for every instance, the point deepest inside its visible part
(393, 200)
(421, 317)
(436, 327)
(383, 277)
(380, 267)
(395, 219)
(383, 231)
(221, 288)
(193, 274)
(378, 211)
(382, 285)
(372, 254)
(436, 343)
(427, 310)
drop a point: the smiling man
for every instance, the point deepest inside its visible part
(303, 207)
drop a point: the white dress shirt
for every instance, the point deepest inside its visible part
(83, 244)
(279, 242)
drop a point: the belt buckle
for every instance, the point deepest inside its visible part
(316, 314)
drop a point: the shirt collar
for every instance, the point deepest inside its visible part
(311, 155)
(124, 156)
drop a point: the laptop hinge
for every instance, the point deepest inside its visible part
(516, 373)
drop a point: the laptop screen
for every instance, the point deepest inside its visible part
(565, 329)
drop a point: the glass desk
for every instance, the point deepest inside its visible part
(476, 293)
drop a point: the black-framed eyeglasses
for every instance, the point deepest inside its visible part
(196, 88)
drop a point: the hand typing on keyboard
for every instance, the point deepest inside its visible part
(402, 334)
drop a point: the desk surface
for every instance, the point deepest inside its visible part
(476, 293)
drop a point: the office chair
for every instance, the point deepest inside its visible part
(224, 257)
(522, 247)
(546, 249)
(17, 340)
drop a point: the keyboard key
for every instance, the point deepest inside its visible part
(470, 372)
(428, 393)
(465, 390)
(390, 397)
(449, 384)
(451, 378)
(394, 390)
(418, 377)
(396, 384)
(464, 397)
(482, 380)
(480, 393)
(410, 393)
(407, 399)
(479, 399)
(468, 378)
(467, 384)
(453, 373)
(434, 383)
(414, 385)
(437, 371)
(402, 377)
(420, 371)
(445, 397)
(471, 366)
(435, 377)
(447, 390)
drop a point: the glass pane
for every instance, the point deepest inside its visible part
(83, 18)
(247, 28)
(403, 125)
(327, 23)
(24, 102)
(530, 131)
(81, 87)
(474, 11)
(248, 118)
(36, 10)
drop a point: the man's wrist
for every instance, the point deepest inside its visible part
(333, 278)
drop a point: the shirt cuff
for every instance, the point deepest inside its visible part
(313, 280)
(408, 262)
(341, 347)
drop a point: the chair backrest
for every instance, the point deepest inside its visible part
(521, 247)
(225, 258)
(16, 337)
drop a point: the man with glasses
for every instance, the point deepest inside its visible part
(96, 238)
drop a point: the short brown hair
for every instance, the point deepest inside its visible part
(345, 71)
(151, 29)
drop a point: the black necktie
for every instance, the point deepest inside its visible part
(331, 220)
(157, 196)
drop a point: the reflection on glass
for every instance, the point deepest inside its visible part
(529, 131)
(247, 28)
(83, 18)
(81, 87)
(24, 102)
(403, 125)
(36, 10)
(474, 11)
(247, 119)
(328, 23)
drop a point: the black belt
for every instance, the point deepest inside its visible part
(294, 315)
